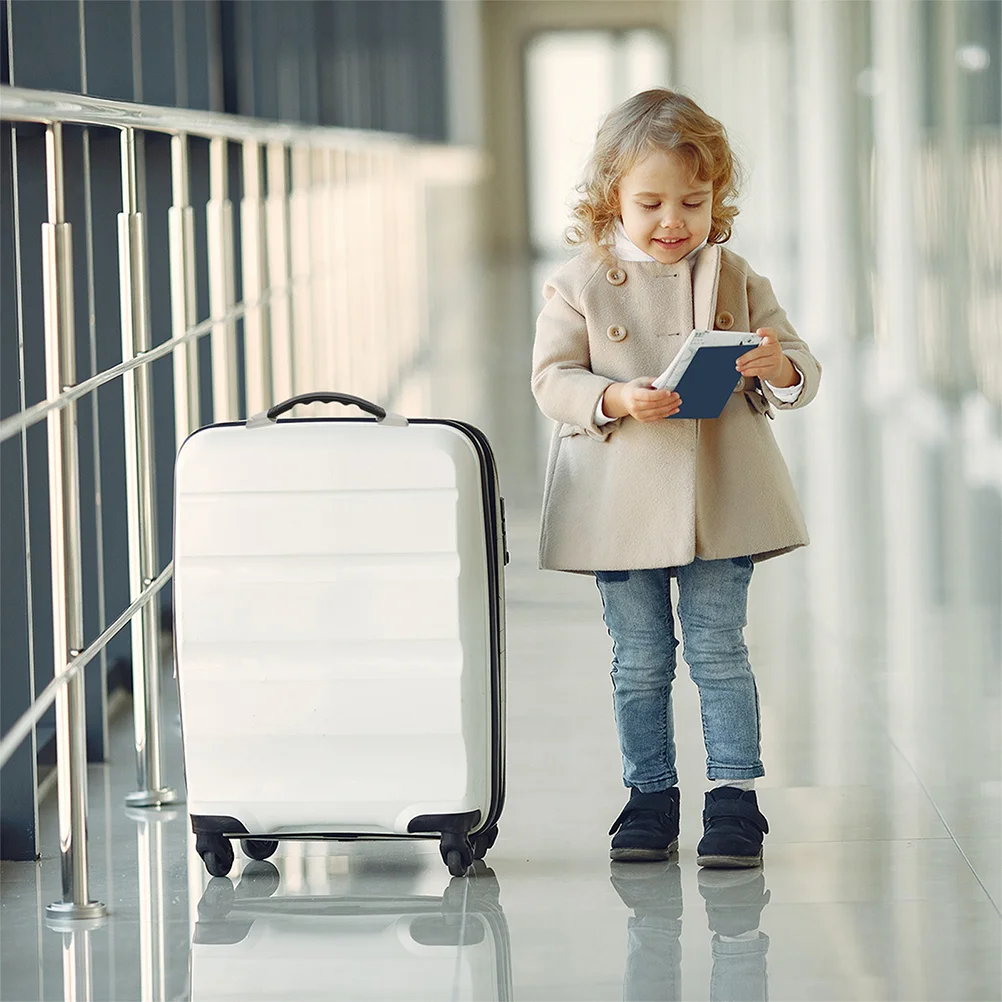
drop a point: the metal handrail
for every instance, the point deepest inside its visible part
(283, 248)
(46, 107)
(23, 420)
(22, 726)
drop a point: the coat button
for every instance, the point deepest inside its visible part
(725, 321)
(616, 333)
(615, 276)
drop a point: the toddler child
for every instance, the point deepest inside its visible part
(636, 499)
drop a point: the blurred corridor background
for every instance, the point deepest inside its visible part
(366, 195)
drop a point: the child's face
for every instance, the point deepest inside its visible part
(665, 211)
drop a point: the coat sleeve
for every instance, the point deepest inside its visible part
(562, 381)
(765, 311)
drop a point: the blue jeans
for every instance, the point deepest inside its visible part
(713, 599)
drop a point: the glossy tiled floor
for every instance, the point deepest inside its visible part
(877, 651)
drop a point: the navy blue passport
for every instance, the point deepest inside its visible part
(709, 380)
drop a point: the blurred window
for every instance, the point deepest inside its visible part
(573, 79)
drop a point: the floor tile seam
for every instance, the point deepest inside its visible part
(871, 711)
(940, 815)
(862, 841)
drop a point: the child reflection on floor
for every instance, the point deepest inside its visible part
(734, 902)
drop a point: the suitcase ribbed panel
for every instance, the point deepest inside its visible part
(333, 523)
(332, 617)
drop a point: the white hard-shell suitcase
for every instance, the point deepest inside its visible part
(253, 945)
(339, 631)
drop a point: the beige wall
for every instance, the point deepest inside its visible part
(506, 27)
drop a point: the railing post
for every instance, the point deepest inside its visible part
(364, 330)
(320, 270)
(181, 222)
(302, 264)
(394, 236)
(339, 239)
(327, 333)
(254, 272)
(412, 200)
(377, 262)
(64, 512)
(279, 277)
(219, 238)
(352, 221)
(139, 487)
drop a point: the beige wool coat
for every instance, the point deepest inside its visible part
(627, 495)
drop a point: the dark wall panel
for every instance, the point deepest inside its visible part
(4, 47)
(356, 63)
(46, 44)
(269, 34)
(159, 49)
(201, 39)
(109, 47)
(307, 43)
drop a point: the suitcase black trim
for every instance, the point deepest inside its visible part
(497, 557)
(493, 514)
(460, 824)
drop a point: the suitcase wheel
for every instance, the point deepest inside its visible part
(258, 848)
(457, 853)
(217, 856)
(483, 841)
(456, 861)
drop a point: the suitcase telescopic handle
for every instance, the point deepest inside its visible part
(381, 415)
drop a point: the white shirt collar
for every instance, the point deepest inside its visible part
(626, 250)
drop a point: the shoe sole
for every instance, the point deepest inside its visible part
(643, 855)
(729, 862)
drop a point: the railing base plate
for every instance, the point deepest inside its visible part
(152, 798)
(158, 817)
(60, 912)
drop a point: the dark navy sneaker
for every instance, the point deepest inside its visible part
(733, 828)
(647, 827)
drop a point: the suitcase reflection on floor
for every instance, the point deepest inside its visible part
(734, 902)
(252, 942)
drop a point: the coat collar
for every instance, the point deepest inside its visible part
(705, 278)
(705, 264)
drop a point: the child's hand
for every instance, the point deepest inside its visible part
(639, 401)
(767, 361)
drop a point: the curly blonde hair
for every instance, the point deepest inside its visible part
(654, 120)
